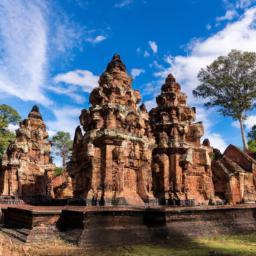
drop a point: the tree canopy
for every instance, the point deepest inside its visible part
(62, 146)
(229, 83)
(8, 115)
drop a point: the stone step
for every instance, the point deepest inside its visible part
(21, 235)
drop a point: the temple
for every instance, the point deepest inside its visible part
(111, 160)
(123, 155)
(27, 167)
(181, 165)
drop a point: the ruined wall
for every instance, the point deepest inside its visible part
(27, 167)
(235, 176)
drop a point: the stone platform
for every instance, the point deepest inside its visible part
(108, 226)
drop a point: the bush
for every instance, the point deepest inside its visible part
(58, 171)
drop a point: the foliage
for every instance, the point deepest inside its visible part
(229, 84)
(8, 115)
(62, 146)
(58, 171)
(252, 133)
(252, 139)
(212, 155)
(252, 146)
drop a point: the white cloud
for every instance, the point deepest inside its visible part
(229, 15)
(242, 4)
(13, 127)
(23, 40)
(153, 46)
(137, 72)
(32, 35)
(248, 123)
(83, 78)
(123, 3)
(216, 140)
(66, 119)
(146, 54)
(97, 39)
(239, 35)
(150, 104)
(70, 91)
(208, 26)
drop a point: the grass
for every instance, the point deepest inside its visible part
(238, 245)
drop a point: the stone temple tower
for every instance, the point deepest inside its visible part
(181, 165)
(27, 166)
(111, 160)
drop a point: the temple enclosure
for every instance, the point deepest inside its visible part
(134, 176)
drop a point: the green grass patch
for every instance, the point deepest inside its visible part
(239, 245)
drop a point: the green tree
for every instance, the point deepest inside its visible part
(62, 146)
(229, 83)
(8, 115)
(252, 139)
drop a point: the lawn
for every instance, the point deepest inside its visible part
(243, 245)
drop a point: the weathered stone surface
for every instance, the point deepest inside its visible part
(181, 165)
(234, 176)
(99, 227)
(111, 160)
(27, 167)
(62, 186)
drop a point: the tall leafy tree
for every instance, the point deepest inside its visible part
(62, 146)
(229, 83)
(8, 115)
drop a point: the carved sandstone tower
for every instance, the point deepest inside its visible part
(27, 166)
(181, 165)
(111, 161)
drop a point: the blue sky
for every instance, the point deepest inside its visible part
(52, 52)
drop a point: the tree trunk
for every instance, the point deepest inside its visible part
(245, 146)
(63, 160)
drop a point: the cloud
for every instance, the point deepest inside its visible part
(28, 47)
(242, 4)
(240, 35)
(83, 78)
(137, 72)
(23, 50)
(248, 123)
(216, 139)
(66, 119)
(123, 3)
(69, 91)
(146, 54)
(208, 26)
(153, 46)
(229, 15)
(13, 127)
(97, 39)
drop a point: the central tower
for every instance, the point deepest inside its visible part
(111, 160)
